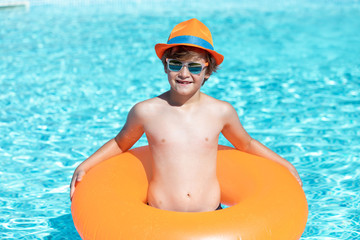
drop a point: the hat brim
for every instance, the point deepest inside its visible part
(160, 48)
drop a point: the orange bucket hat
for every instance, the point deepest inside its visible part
(190, 33)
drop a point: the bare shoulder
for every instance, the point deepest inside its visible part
(220, 107)
(147, 107)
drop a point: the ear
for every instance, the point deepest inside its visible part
(206, 76)
(165, 69)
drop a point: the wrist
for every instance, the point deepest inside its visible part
(82, 167)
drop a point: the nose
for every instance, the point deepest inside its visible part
(184, 72)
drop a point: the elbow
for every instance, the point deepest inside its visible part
(249, 145)
(121, 148)
(246, 146)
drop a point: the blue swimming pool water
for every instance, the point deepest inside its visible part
(70, 72)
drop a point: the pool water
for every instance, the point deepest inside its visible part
(69, 73)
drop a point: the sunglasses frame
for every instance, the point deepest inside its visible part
(186, 64)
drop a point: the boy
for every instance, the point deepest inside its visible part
(182, 126)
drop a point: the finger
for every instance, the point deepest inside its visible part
(300, 182)
(72, 184)
(72, 190)
(79, 177)
(76, 178)
(72, 187)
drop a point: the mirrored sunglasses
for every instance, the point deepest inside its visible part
(193, 67)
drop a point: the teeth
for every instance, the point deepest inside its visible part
(183, 82)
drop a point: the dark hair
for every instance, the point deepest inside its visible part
(186, 52)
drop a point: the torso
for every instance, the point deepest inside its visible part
(183, 142)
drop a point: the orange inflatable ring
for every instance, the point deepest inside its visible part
(265, 200)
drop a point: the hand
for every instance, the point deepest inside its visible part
(77, 177)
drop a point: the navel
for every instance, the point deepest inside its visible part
(206, 139)
(163, 140)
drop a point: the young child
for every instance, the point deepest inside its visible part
(182, 127)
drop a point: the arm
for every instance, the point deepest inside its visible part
(127, 137)
(236, 134)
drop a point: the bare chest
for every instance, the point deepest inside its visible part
(189, 129)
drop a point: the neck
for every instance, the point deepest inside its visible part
(178, 100)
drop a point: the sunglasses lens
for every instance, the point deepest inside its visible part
(195, 68)
(174, 65)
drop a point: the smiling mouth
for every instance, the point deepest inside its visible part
(183, 82)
